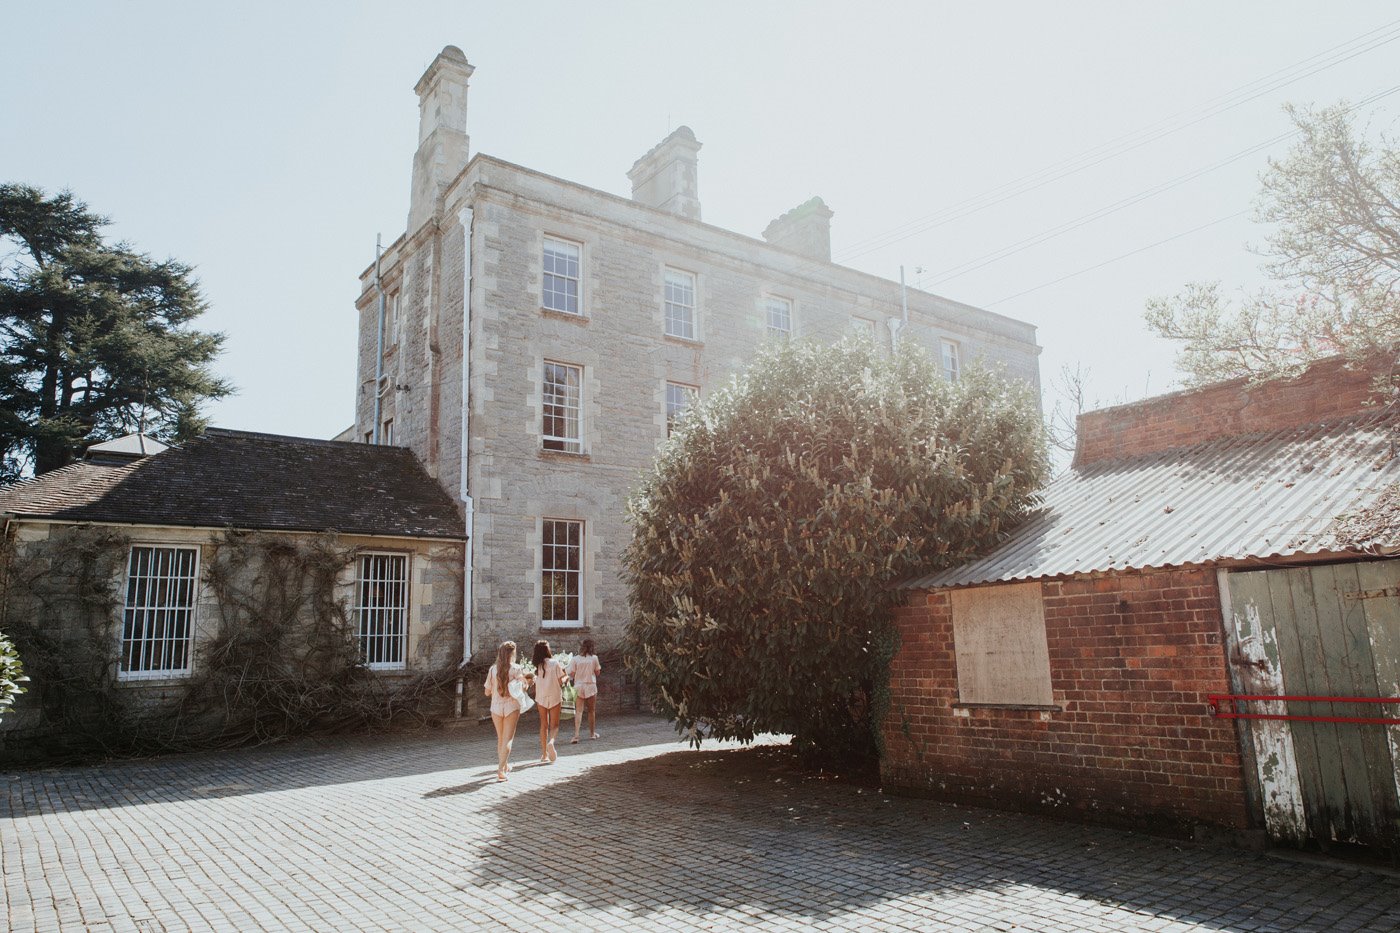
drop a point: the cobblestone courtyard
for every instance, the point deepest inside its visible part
(413, 833)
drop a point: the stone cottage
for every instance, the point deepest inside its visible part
(1120, 657)
(532, 340)
(135, 562)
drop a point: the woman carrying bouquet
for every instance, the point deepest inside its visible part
(505, 685)
(549, 694)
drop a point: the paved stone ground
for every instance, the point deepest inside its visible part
(413, 833)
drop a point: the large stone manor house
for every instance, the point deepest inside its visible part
(531, 339)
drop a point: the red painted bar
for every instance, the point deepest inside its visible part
(1216, 699)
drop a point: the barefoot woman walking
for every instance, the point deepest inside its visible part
(549, 697)
(505, 708)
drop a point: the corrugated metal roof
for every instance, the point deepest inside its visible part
(1255, 496)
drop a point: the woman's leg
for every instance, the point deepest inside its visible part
(553, 717)
(544, 732)
(511, 720)
(593, 716)
(580, 704)
(501, 751)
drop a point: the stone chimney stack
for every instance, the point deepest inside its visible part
(665, 177)
(442, 132)
(805, 229)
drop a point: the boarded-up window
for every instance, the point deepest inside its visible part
(999, 639)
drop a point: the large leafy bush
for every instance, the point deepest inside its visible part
(775, 520)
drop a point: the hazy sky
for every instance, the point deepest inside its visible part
(267, 144)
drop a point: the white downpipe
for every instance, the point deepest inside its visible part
(465, 218)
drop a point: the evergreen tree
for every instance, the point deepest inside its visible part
(95, 339)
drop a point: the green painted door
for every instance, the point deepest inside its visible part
(1331, 630)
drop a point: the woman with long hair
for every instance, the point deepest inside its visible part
(549, 695)
(505, 706)
(584, 669)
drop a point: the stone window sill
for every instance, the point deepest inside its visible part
(569, 629)
(580, 319)
(1028, 707)
(175, 680)
(565, 455)
(684, 342)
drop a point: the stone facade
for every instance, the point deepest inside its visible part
(433, 636)
(482, 237)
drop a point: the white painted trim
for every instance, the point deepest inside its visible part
(184, 673)
(407, 605)
(465, 219)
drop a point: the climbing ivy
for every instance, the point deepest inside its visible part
(279, 660)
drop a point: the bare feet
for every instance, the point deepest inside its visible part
(552, 753)
(593, 736)
(500, 775)
(573, 741)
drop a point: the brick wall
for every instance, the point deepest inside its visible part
(1132, 659)
(1329, 389)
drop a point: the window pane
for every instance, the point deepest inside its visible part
(157, 620)
(561, 578)
(679, 398)
(562, 408)
(560, 268)
(680, 304)
(779, 315)
(952, 363)
(382, 610)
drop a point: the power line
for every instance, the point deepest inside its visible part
(971, 265)
(1122, 145)
(1100, 265)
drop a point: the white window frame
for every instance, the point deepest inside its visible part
(365, 609)
(691, 394)
(576, 278)
(784, 308)
(550, 558)
(682, 320)
(161, 614)
(562, 406)
(950, 352)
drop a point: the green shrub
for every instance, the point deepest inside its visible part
(12, 679)
(775, 520)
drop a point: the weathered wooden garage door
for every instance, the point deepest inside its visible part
(1334, 631)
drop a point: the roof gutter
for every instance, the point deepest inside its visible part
(378, 346)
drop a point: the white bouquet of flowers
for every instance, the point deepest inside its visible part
(518, 692)
(570, 694)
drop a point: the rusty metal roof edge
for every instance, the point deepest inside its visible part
(1271, 495)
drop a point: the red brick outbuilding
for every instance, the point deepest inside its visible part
(1071, 670)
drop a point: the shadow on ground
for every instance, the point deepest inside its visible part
(297, 764)
(745, 832)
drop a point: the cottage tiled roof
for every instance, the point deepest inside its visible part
(247, 480)
(1320, 489)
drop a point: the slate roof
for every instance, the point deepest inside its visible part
(247, 480)
(1319, 489)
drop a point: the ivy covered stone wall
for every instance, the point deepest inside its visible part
(274, 651)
